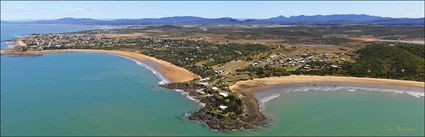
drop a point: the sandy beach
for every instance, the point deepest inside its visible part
(170, 72)
(250, 87)
(257, 84)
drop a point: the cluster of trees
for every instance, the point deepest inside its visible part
(234, 106)
(209, 55)
(396, 61)
(384, 60)
(393, 61)
(262, 72)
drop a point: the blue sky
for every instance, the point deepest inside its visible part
(21, 10)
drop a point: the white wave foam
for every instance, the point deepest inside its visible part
(416, 94)
(352, 90)
(189, 97)
(163, 79)
(267, 99)
(159, 75)
(10, 45)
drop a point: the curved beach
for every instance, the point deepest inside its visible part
(170, 72)
(253, 105)
(261, 83)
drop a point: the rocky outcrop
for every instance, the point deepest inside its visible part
(251, 119)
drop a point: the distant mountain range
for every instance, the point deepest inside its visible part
(339, 19)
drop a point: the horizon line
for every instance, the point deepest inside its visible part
(208, 17)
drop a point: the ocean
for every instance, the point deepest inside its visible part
(100, 94)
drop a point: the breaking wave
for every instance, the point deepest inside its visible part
(159, 75)
(163, 79)
(264, 97)
(189, 97)
(416, 94)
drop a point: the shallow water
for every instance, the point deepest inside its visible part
(100, 94)
(86, 94)
(348, 110)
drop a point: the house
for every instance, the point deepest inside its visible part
(200, 91)
(203, 83)
(222, 107)
(205, 79)
(224, 94)
(334, 66)
(214, 88)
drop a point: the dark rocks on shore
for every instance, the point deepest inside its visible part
(250, 120)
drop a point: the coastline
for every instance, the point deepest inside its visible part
(167, 72)
(258, 84)
(253, 112)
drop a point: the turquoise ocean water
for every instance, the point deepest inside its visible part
(99, 94)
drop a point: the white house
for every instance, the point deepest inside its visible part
(334, 66)
(205, 79)
(224, 94)
(222, 107)
(204, 83)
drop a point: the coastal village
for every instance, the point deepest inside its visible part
(213, 88)
(212, 68)
(219, 65)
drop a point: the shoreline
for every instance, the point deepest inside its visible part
(167, 72)
(267, 94)
(259, 84)
(254, 104)
(163, 79)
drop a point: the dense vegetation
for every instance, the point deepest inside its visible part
(262, 72)
(394, 61)
(208, 54)
(233, 110)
